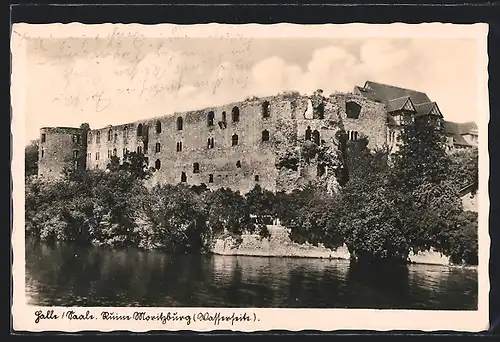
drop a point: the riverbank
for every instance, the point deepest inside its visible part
(279, 244)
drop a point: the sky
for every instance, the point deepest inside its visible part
(117, 80)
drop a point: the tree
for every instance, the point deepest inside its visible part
(463, 244)
(172, 217)
(114, 164)
(425, 194)
(136, 164)
(317, 221)
(422, 157)
(373, 228)
(368, 218)
(228, 213)
(31, 159)
(260, 202)
(308, 150)
(464, 167)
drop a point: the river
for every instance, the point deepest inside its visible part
(69, 275)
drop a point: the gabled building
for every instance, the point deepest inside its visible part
(462, 135)
(405, 105)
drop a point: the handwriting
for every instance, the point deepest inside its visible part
(49, 314)
(100, 69)
(215, 318)
(71, 315)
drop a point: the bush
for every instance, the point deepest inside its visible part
(171, 217)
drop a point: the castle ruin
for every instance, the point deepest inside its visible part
(279, 142)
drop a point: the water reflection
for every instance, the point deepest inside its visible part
(69, 275)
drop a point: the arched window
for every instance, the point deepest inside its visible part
(224, 119)
(235, 114)
(265, 135)
(139, 130)
(183, 177)
(211, 178)
(179, 146)
(114, 152)
(353, 135)
(158, 127)
(115, 138)
(238, 164)
(98, 137)
(316, 139)
(308, 133)
(352, 110)
(157, 147)
(196, 167)
(157, 164)
(179, 123)
(256, 178)
(110, 133)
(265, 109)
(210, 118)
(234, 140)
(210, 143)
(125, 132)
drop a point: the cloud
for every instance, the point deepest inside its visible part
(423, 65)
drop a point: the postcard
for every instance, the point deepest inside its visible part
(250, 177)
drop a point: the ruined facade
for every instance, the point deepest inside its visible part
(60, 147)
(279, 142)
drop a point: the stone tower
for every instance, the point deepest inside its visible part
(60, 148)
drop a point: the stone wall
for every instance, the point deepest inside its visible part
(280, 245)
(207, 140)
(239, 167)
(372, 120)
(57, 148)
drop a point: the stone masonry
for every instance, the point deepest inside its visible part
(256, 141)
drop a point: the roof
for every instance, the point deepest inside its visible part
(384, 93)
(425, 108)
(457, 130)
(470, 188)
(397, 104)
(466, 127)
